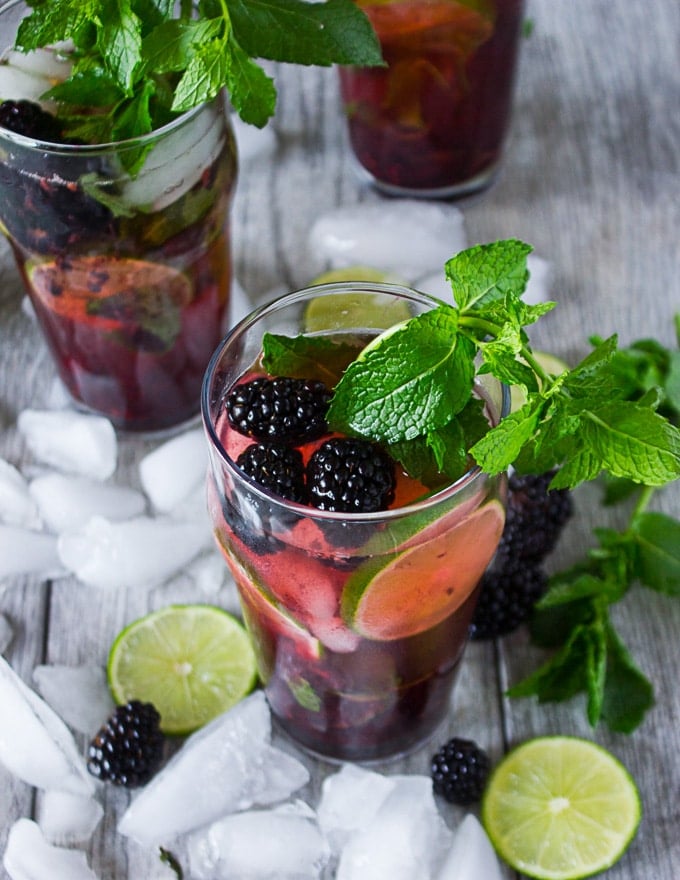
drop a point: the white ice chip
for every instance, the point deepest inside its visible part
(29, 856)
(70, 441)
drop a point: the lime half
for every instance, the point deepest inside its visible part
(193, 662)
(363, 310)
(560, 808)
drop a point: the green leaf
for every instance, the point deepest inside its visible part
(306, 356)
(488, 272)
(658, 543)
(56, 21)
(410, 380)
(561, 677)
(169, 46)
(500, 446)
(120, 42)
(596, 669)
(628, 694)
(88, 88)
(320, 33)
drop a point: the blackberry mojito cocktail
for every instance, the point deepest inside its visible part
(124, 248)
(434, 120)
(357, 581)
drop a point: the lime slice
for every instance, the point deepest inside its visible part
(550, 363)
(365, 310)
(560, 808)
(193, 662)
(418, 587)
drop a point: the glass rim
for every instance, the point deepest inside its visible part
(246, 323)
(107, 146)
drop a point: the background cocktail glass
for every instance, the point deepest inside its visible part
(359, 621)
(128, 271)
(433, 122)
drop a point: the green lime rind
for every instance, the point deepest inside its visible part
(193, 662)
(561, 808)
(355, 310)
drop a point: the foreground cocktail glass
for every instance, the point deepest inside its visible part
(124, 249)
(359, 621)
(433, 121)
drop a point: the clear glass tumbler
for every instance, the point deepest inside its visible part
(128, 271)
(359, 621)
(433, 122)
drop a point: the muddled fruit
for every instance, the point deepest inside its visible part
(459, 771)
(351, 476)
(276, 467)
(282, 408)
(30, 120)
(128, 748)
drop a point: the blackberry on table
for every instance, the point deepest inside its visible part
(535, 518)
(459, 771)
(128, 748)
(282, 408)
(506, 599)
(276, 467)
(29, 119)
(350, 475)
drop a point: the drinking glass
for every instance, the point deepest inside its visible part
(359, 621)
(128, 268)
(433, 122)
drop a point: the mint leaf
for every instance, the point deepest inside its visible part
(411, 380)
(169, 46)
(628, 694)
(500, 446)
(87, 88)
(304, 357)
(119, 41)
(56, 21)
(488, 272)
(657, 538)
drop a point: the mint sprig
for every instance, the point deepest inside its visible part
(142, 62)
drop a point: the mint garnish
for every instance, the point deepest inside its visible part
(141, 62)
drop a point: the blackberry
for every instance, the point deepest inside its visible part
(506, 599)
(283, 408)
(350, 476)
(276, 467)
(535, 518)
(128, 749)
(459, 771)
(29, 119)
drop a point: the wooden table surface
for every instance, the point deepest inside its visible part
(591, 178)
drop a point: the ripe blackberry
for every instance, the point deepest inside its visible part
(276, 467)
(128, 749)
(350, 476)
(30, 120)
(535, 518)
(506, 599)
(279, 409)
(459, 771)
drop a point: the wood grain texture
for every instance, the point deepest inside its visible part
(591, 178)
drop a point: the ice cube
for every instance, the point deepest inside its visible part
(16, 505)
(24, 551)
(228, 765)
(78, 694)
(68, 819)
(471, 856)
(349, 800)
(6, 633)
(35, 744)
(67, 502)
(71, 441)
(20, 85)
(406, 838)
(140, 553)
(28, 856)
(45, 62)
(540, 276)
(172, 471)
(285, 843)
(405, 236)
(253, 143)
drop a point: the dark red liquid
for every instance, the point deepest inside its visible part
(437, 116)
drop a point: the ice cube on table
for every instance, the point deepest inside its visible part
(471, 856)
(175, 469)
(284, 843)
(406, 838)
(68, 819)
(142, 552)
(28, 856)
(27, 552)
(405, 236)
(6, 633)
(349, 800)
(17, 507)
(78, 694)
(35, 744)
(227, 766)
(71, 441)
(68, 502)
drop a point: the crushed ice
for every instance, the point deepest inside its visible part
(78, 694)
(71, 441)
(68, 819)
(29, 856)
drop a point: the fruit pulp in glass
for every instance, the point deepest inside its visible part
(359, 622)
(129, 277)
(436, 116)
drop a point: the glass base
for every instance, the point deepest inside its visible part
(458, 190)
